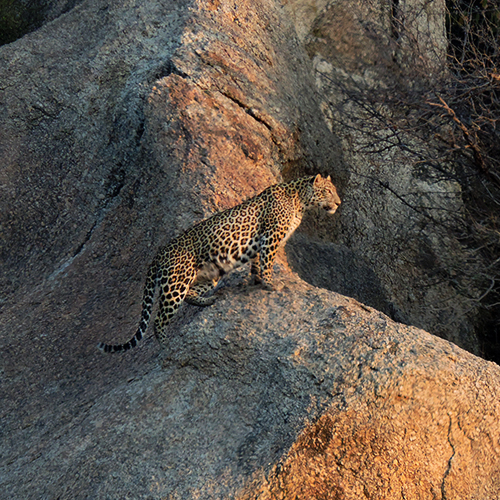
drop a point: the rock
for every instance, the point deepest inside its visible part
(403, 208)
(378, 36)
(299, 393)
(143, 118)
(336, 267)
(123, 116)
(403, 419)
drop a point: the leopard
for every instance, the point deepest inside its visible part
(191, 265)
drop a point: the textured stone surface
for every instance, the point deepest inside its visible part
(121, 124)
(405, 419)
(300, 393)
(401, 212)
(116, 117)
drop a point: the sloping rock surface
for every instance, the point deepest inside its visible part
(300, 393)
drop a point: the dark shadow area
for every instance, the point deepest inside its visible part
(337, 268)
(20, 17)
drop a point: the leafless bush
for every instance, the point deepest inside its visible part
(457, 117)
(469, 101)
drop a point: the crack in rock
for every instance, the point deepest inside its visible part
(448, 468)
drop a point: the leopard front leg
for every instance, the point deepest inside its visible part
(255, 273)
(267, 256)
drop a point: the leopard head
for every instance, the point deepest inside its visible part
(325, 194)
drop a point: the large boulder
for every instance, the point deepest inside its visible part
(300, 393)
(122, 124)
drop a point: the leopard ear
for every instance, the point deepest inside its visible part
(317, 179)
(329, 179)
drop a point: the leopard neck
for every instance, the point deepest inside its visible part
(302, 189)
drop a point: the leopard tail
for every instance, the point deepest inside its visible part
(147, 308)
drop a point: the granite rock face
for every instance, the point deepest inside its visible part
(122, 123)
(300, 393)
(403, 207)
(162, 112)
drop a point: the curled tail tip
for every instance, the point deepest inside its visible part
(120, 347)
(106, 348)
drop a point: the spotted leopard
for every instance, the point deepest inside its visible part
(191, 264)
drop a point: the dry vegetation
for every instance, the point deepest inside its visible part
(470, 101)
(455, 113)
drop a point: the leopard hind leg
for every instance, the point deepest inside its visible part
(173, 294)
(195, 292)
(252, 254)
(267, 255)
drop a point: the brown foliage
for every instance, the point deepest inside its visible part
(447, 125)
